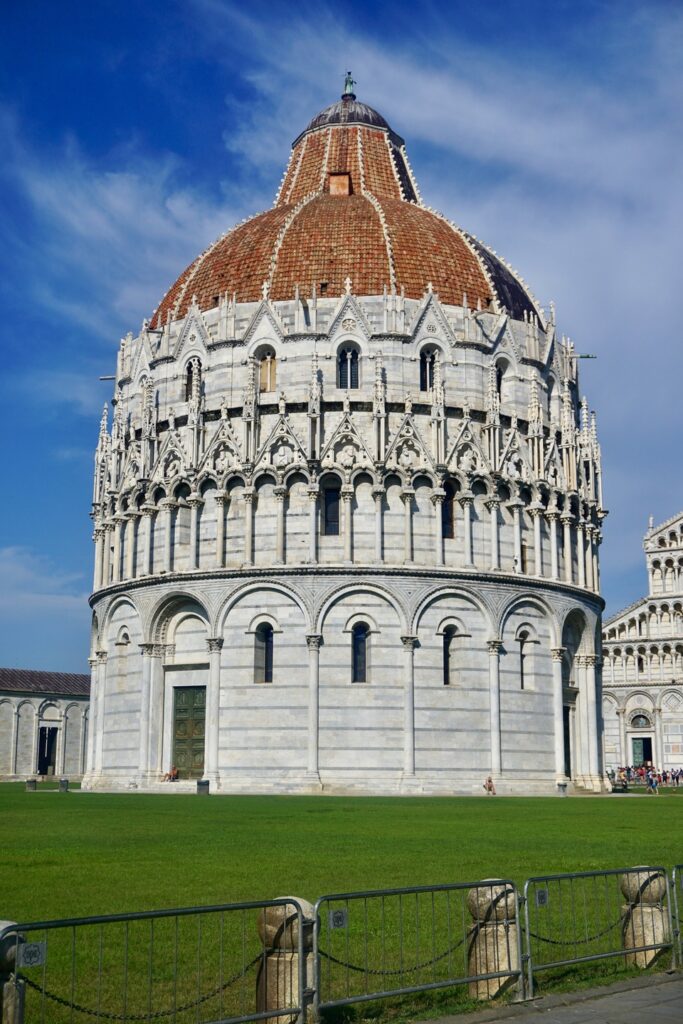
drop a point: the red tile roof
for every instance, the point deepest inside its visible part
(26, 680)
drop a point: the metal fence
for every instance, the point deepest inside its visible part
(594, 915)
(176, 966)
(677, 908)
(369, 945)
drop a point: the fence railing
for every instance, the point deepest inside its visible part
(177, 966)
(286, 960)
(369, 945)
(595, 915)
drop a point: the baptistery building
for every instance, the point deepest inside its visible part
(347, 513)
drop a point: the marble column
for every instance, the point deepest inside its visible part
(409, 644)
(493, 504)
(195, 501)
(407, 497)
(155, 714)
(659, 739)
(313, 640)
(219, 500)
(590, 662)
(581, 553)
(213, 705)
(624, 758)
(167, 507)
(495, 647)
(347, 505)
(106, 554)
(596, 560)
(132, 521)
(557, 654)
(313, 492)
(280, 494)
(378, 495)
(536, 512)
(94, 697)
(566, 518)
(249, 494)
(98, 727)
(149, 512)
(143, 763)
(438, 496)
(465, 501)
(119, 520)
(552, 518)
(99, 557)
(516, 507)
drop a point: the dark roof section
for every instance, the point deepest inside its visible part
(509, 291)
(349, 111)
(26, 680)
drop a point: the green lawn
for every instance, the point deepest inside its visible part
(81, 853)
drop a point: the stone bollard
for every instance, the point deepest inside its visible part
(30, 785)
(277, 982)
(645, 921)
(492, 943)
(63, 785)
(11, 988)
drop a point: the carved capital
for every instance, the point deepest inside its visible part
(313, 491)
(220, 497)
(438, 496)
(280, 492)
(347, 492)
(378, 492)
(465, 499)
(592, 660)
(495, 647)
(195, 500)
(314, 641)
(93, 662)
(557, 653)
(249, 494)
(409, 642)
(214, 643)
(148, 510)
(101, 656)
(407, 494)
(492, 504)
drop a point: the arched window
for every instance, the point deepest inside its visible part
(427, 360)
(347, 368)
(640, 722)
(523, 641)
(263, 653)
(449, 645)
(193, 372)
(448, 512)
(331, 496)
(267, 366)
(359, 652)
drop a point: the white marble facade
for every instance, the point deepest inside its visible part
(465, 512)
(43, 724)
(643, 662)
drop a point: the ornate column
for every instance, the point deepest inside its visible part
(536, 511)
(132, 520)
(557, 654)
(92, 717)
(347, 500)
(438, 496)
(98, 727)
(167, 506)
(409, 644)
(596, 560)
(280, 495)
(313, 640)
(148, 511)
(378, 495)
(313, 492)
(407, 495)
(516, 506)
(465, 501)
(98, 535)
(119, 520)
(195, 501)
(566, 518)
(624, 759)
(147, 654)
(552, 517)
(495, 647)
(151, 712)
(493, 504)
(659, 739)
(106, 553)
(15, 737)
(248, 495)
(581, 553)
(590, 662)
(213, 706)
(219, 500)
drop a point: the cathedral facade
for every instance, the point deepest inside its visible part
(348, 512)
(643, 662)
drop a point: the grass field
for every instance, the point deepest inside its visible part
(82, 853)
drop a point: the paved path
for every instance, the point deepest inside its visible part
(657, 999)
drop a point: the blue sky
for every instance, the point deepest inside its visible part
(136, 133)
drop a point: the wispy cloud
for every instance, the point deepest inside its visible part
(32, 584)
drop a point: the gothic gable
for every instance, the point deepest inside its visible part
(282, 449)
(346, 448)
(407, 451)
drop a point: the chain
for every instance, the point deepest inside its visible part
(575, 942)
(399, 970)
(157, 1015)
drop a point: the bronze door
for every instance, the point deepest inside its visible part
(189, 714)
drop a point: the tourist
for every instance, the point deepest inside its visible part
(171, 775)
(489, 786)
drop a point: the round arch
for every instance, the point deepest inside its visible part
(540, 604)
(445, 592)
(236, 596)
(354, 588)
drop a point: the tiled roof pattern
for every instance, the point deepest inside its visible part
(331, 238)
(426, 249)
(327, 238)
(24, 680)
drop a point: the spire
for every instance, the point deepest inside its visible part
(349, 83)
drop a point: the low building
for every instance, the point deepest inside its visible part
(43, 723)
(643, 662)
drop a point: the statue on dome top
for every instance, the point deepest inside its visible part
(348, 87)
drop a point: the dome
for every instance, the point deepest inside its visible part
(348, 207)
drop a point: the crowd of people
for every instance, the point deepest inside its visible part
(649, 776)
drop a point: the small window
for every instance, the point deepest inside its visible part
(347, 368)
(449, 649)
(523, 641)
(263, 653)
(448, 512)
(267, 365)
(359, 640)
(427, 360)
(331, 497)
